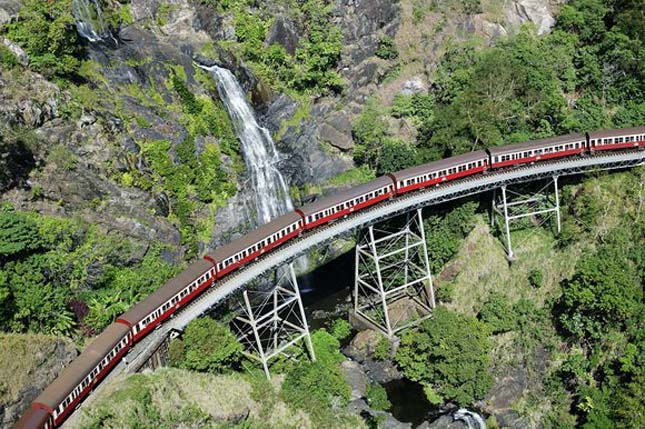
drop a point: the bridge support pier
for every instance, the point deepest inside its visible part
(392, 284)
(272, 323)
(514, 206)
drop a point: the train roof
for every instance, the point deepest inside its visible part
(348, 194)
(439, 165)
(78, 369)
(172, 287)
(535, 144)
(32, 418)
(254, 236)
(619, 132)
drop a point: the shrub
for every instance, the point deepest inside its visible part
(340, 329)
(47, 31)
(207, 346)
(395, 154)
(449, 354)
(382, 349)
(377, 397)
(316, 386)
(498, 313)
(386, 49)
(536, 278)
(7, 58)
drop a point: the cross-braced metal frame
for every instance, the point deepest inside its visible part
(513, 205)
(273, 322)
(393, 286)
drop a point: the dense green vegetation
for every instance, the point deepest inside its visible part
(47, 32)
(63, 276)
(311, 68)
(584, 75)
(449, 356)
(206, 345)
(315, 387)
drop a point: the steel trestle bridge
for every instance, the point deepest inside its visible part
(449, 191)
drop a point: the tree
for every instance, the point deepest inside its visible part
(47, 31)
(498, 313)
(18, 234)
(449, 354)
(395, 154)
(209, 346)
(340, 329)
(602, 295)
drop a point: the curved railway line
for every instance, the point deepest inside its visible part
(126, 344)
(140, 352)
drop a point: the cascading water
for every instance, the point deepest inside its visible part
(472, 419)
(89, 20)
(271, 193)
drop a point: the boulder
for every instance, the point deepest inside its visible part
(356, 378)
(363, 344)
(414, 85)
(283, 32)
(15, 49)
(444, 422)
(538, 12)
(9, 10)
(337, 131)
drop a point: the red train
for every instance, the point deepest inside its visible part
(75, 382)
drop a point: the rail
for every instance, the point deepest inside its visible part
(139, 354)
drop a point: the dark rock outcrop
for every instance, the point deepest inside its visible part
(284, 32)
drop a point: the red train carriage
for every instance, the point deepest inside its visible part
(536, 150)
(59, 399)
(159, 305)
(35, 418)
(248, 247)
(346, 202)
(440, 171)
(617, 139)
(78, 379)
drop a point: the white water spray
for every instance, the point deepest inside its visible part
(271, 193)
(472, 419)
(89, 20)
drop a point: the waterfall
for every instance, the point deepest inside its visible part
(271, 193)
(89, 20)
(472, 419)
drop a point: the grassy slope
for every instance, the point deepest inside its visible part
(481, 267)
(180, 398)
(25, 358)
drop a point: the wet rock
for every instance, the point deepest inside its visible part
(389, 422)
(506, 390)
(282, 108)
(512, 420)
(444, 422)
(305, 159)
(283, 32)
(356, 378)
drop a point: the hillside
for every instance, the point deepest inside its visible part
(120, 163)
